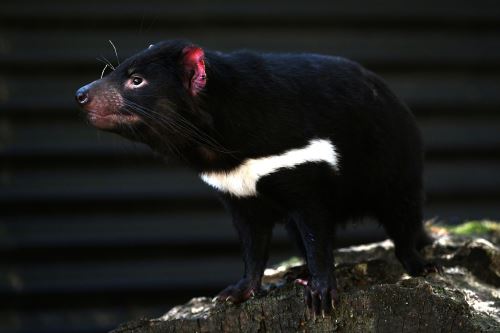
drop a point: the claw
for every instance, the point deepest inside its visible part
(433, 268)
(334, 296)
(320, 297)
(439, 269)
(239, 292)
(308, 299)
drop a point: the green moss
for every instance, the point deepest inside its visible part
(477, 227)
(293, 261)
(439, 290)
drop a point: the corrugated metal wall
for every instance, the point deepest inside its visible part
(95, 230)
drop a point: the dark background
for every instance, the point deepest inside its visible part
(95, 230)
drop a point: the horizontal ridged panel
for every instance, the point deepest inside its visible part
(95, 230)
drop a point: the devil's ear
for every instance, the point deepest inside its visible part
(193, 61)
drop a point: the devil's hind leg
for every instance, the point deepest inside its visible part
(402, 220)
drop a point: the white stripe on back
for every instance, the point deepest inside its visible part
(242, 180)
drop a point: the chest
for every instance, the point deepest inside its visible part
(242, 180)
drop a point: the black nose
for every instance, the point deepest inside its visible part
(82, 95)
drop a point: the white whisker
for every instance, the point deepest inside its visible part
(103, 70)
(106, 61)
(116, 53)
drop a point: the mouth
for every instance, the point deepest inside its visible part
(107, 121)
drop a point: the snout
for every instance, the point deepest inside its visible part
(103, 103)
(82, 95)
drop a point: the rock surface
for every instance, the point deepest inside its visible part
(376, 296)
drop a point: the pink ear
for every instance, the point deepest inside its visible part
(194, 68)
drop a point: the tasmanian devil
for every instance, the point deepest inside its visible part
(310, 140)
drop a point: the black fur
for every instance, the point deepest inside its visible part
(256, 105)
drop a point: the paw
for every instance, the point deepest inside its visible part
(321, 297)
(239, 292)
(432, 267)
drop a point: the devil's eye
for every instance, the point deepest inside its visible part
(136, 81)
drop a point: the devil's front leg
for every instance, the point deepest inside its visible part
(315, 225)
(254, 224)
